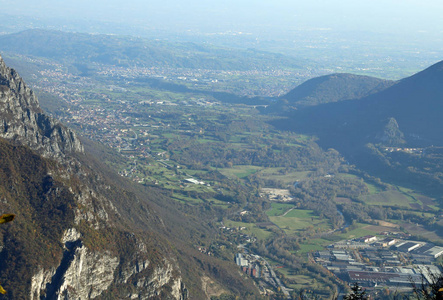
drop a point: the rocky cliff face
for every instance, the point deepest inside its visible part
(85, 274)
(70, 215)
(23, 121)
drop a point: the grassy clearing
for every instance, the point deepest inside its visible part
(314, 245)
(347, 175)
(419, 230)
(285, 178)
(218, 203)
(185, 199)
(251, 229)
(298, 220)
(303, 281)
(240, 171)
(373, 189)
(360, 230)
(389, 198)
(304, 138)
(277, 209)
(405, 190)
(302, 214)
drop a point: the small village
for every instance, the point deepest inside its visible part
(258, 267)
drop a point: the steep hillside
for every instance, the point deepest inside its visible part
(407, 114)
(69, 239)
(82, 232)
(415, 103)
(128, 51)
(24, 122)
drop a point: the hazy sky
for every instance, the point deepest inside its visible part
(245, 15)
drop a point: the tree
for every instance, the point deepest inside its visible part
(357, 293)
(432, 290)
(5, 219)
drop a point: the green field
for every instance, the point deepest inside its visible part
(314, 245)
(182, 198)
(251, 229)
(389, 198)
(359, 231)
(277, 209)
(298, 220)
(303, 281)
(288, 178)
(240, 171)
(373, 189)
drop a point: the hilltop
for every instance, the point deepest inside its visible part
(327, 89)
(414, 102)
(334, 88)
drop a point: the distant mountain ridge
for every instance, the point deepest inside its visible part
(72, 48)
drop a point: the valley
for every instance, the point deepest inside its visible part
(270, 191)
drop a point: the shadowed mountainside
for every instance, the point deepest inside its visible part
(407, 114)
(329, 88)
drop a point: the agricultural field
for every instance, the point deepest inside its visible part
(240, 171)
(389, 198)
(251, 229)
(278, 209)
(297, 220)
(400, 198)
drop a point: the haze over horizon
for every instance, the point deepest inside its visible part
(389, 16)
(332, 32)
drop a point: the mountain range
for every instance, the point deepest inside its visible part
(82, 231)
(83, 50)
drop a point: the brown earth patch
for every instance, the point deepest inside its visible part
(425, 200)
(415, 206)
(211, 288)
(415, 229)
(378, 229)
(341, 200)
(387, 224)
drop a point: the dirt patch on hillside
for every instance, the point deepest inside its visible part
(211, 288)
(416, 229)
(425, 200)
(384, 226)
(387, 224)
(341, 200)
(415, 206)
